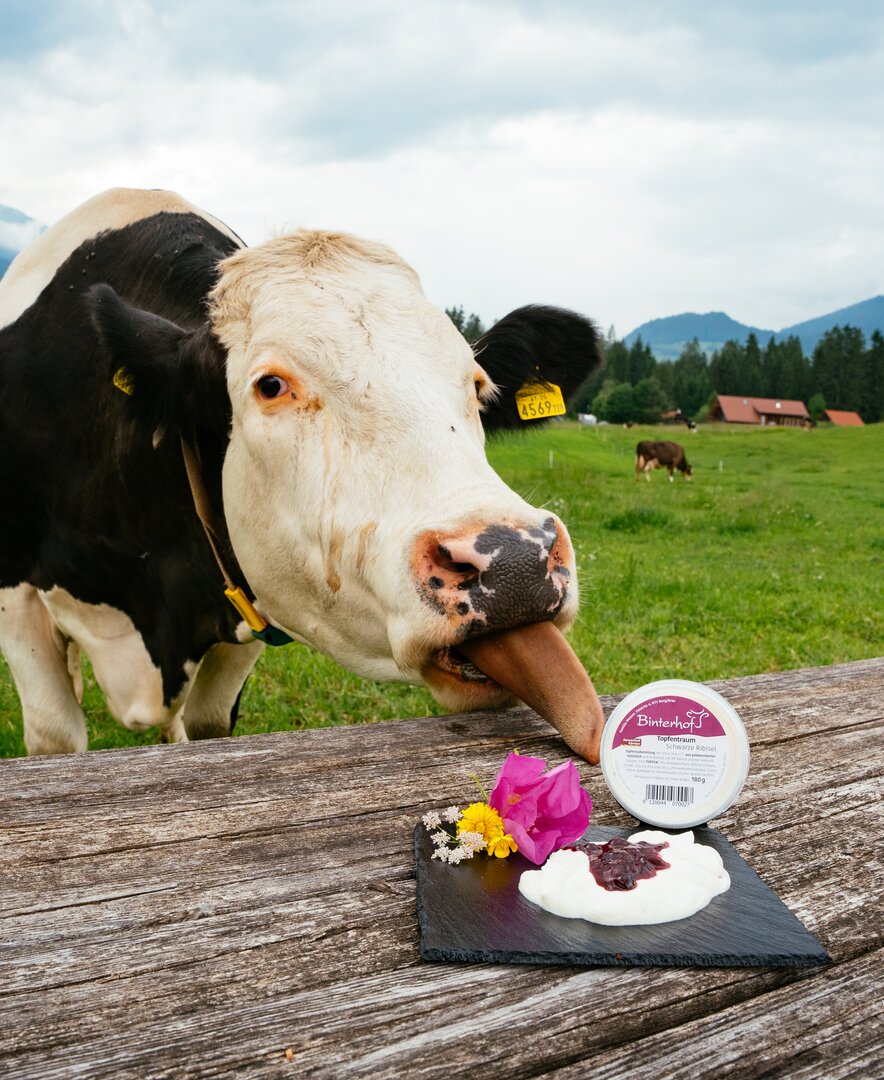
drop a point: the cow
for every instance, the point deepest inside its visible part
(677, 416)
(209, 448)
(651, 454)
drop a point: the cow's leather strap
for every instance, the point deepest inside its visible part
(261, 629)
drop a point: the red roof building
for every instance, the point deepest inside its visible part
(841, 418)
(751, 410)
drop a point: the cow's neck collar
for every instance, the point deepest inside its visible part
(260, 627)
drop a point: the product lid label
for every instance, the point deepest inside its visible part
(662, 716)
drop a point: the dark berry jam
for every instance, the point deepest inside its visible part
(618, 864)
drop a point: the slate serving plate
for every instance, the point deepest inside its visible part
(474, 912)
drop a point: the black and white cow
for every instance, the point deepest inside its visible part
(335, 424)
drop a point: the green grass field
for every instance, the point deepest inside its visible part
(771, 558)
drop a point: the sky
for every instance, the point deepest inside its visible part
(629, 161)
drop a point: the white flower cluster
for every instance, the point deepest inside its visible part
(450, 847)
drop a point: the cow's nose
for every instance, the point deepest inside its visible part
(496, 577)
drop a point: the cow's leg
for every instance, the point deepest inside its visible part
(131, 682)
(174, 732)
(639, 465)
(671, 473)
(38, 657)
(208, 711)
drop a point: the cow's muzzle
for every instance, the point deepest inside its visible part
(499, 590)
(496, 577)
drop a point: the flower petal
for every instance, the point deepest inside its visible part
(542, 811)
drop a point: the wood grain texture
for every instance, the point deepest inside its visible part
(196, 910)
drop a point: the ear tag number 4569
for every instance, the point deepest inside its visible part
(537, 401)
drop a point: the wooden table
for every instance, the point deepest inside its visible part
(200, 910)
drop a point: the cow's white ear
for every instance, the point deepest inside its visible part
(174, 378)
(535, 344)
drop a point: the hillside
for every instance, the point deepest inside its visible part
(867, 316)
(668, 336)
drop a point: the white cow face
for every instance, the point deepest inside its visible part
(359, 500)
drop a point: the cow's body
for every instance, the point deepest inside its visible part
(661, 454)
(349, 492)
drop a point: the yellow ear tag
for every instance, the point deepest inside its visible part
(246, 608)
(537, 401)
(123, 381)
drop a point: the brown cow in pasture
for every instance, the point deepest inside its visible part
(660, 455)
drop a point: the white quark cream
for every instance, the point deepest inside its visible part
(565, 885)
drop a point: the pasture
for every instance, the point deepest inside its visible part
(770, 558)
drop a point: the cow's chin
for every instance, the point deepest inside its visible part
(459, 686)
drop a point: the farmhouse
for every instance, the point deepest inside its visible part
(763, 411)
(842, 418)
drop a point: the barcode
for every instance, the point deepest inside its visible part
(684, 796)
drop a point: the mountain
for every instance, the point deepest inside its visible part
(17, 230)
(867, 316)
(667, 337)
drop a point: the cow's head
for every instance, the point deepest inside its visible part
(358, 498)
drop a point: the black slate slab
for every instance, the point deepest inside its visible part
(474, 912)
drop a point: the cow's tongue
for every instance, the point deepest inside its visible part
(538, 665)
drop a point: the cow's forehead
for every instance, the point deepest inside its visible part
(332, 302)
(260, 280)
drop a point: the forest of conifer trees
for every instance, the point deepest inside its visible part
(844, 372)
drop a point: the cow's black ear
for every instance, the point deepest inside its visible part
(175, 378)
(535, 344)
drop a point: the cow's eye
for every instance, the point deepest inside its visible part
(271, 386)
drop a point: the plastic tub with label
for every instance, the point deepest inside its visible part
(674, 754)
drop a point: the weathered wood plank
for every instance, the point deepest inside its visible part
(126, 778)
(515, 1022)
(299, 954)
(194, 910)
(819, 775)
(829, 1026)
(287, 774)
(285, 904)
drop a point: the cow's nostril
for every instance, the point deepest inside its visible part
(445, 561)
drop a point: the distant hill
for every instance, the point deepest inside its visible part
(867, 316)
(667, 337)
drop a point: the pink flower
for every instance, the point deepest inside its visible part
(541, 811)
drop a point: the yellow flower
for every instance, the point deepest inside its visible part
(481, 818)
(501, 846)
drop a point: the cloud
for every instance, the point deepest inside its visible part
(630, 161)
(17, 230)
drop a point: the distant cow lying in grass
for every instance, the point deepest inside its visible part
(660, 455)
